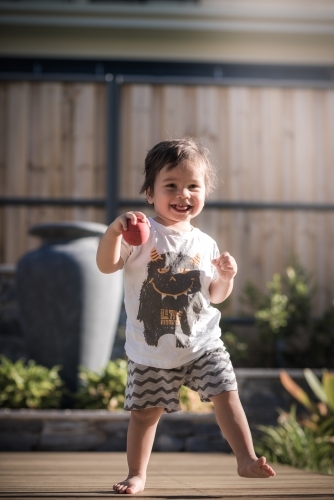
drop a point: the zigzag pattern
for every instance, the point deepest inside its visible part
(207, 363)
(173, 379)
(151, 387)
(212, 374)
(152, 392)
(136, 369)
(196, 374)
(209, 384)
(154, 381)
(142, 395)
(154, 404)
(199, 384)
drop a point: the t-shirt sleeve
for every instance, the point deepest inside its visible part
(126, 250)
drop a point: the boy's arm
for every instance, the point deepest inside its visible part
(108, 256)
(222, 286)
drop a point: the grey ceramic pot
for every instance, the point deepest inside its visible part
(69, 310)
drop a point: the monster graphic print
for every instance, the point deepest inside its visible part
(170, 300)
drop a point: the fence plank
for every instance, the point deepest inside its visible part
(3, 102)
(100, 120)
(16, 171)
(83, 148)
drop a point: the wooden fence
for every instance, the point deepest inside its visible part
(269, 144)
(53, 139)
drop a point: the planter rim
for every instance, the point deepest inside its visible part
(273, 372)
(67, 230)
(119, 415)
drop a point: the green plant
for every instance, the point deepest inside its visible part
(307, 441)
(29, 385)
(238, 350)
(104, 390)
(288, 335)
(320, 412)
(286, 307)
(320, 349)
(295, 444)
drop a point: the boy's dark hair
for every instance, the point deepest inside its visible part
(173, 152)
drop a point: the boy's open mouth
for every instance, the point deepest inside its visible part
(181, 208)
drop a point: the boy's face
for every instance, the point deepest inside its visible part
(178, 195)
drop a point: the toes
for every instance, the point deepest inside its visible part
(130, 490)
(261, 461)
(119, 487)
(270, 471)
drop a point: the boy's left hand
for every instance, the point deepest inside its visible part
(226, 266)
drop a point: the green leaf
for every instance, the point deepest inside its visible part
(315, 385)
(328, 384)
(296, 391)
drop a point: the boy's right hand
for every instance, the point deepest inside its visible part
(121, 222)
(108, 257)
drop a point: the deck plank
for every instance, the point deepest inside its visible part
(48, 475)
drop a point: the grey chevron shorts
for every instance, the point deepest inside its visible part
(149, 387)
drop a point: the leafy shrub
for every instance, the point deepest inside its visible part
(292, 443)
(237, 350)
(288, 335)
(320, 412)
(307, 441)
(29, 385)
(104, 390)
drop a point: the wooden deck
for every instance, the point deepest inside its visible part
(171, 475)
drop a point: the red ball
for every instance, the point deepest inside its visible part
(136, 234)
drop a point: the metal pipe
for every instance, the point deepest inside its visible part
(112, 148)
(116, 202)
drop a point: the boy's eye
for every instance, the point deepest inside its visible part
(163, 270)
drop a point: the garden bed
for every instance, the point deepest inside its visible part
(260, 390)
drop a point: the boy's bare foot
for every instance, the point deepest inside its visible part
(255, 468)
(131, 485)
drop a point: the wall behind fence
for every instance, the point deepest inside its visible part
(271, 145)
(53, 145)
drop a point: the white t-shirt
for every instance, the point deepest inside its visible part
(170, 320)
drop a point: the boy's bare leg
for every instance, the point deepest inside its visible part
(233, 423)
(141, 433)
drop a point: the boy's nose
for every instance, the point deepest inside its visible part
(183, 193)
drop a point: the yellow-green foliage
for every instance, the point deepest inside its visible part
(296, 444)
(104, 390)
(190, 401)
(323, 390)
(288, 334)
(29, 385)
(306, 442)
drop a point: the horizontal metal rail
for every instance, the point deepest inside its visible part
(246, 205)
(55, 77)
(122, 79)
(223, 81)
(136, 203)
(62, 202)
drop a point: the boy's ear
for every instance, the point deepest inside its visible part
(149, 196)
